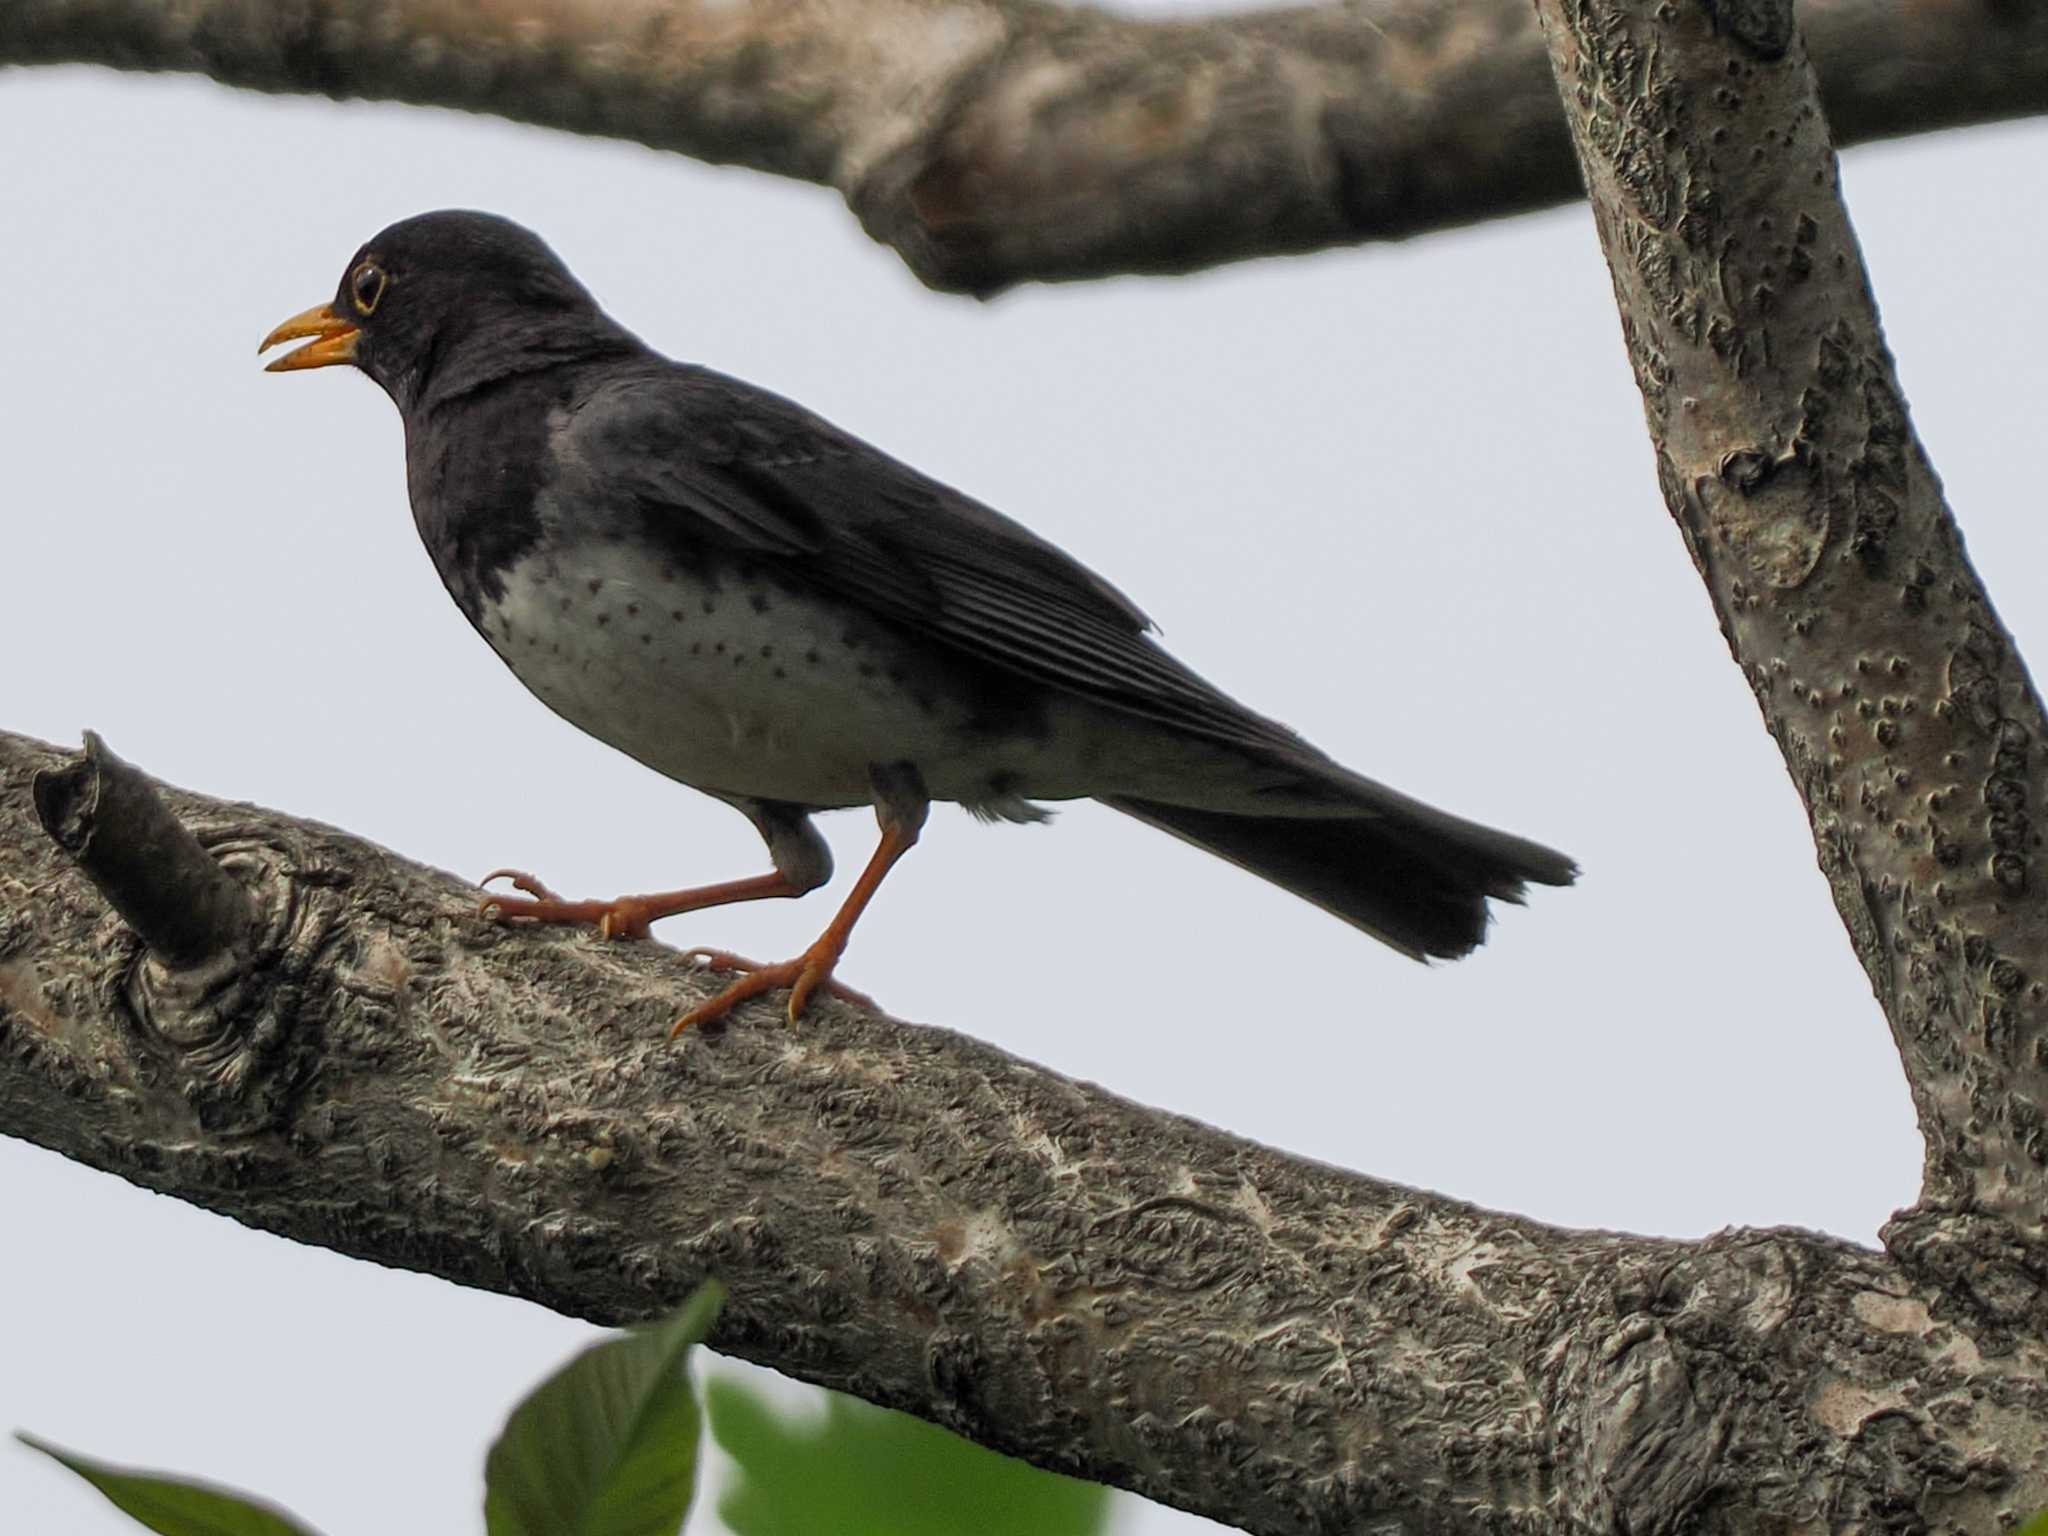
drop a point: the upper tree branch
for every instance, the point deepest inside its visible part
(914, 1216)
(1784, 449)
(996, 141)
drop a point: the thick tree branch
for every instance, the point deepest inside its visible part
(908, 1214)
(1785, 452)
(997, 141)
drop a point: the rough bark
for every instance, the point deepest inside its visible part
(347, 1054)
(913, 1216)
(996, 141)
(1786, 454)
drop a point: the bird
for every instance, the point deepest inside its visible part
(756, 603)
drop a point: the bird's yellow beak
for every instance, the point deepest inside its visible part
(336, 341)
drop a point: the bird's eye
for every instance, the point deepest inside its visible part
(366, 286)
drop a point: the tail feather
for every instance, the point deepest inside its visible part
(1411, 876)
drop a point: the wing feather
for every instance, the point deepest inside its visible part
(711, 459)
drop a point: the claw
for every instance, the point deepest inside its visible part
(807, 982)
(492, 908)
(521, 880)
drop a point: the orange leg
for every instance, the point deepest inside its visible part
(813, 968)
(625, 917)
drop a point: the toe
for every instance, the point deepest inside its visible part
(714, 1008)
(800, 994)
(521, 880)
(723, 961)
(493, 908)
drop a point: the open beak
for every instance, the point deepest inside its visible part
(335, 343)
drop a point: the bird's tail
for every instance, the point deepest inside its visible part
(1409, 875)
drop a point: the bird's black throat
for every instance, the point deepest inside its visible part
(477, 432)
(475, 466)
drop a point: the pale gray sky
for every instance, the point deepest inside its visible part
(1399, 497)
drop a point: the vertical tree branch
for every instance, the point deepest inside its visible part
(1786, 454)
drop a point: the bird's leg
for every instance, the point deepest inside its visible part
(900, 807)
(802, 863)
(624, 917)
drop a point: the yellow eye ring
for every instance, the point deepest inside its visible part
(366, 286)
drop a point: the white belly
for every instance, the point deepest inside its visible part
(732, 685)
(735, 685)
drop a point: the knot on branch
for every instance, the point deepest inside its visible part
(219, 928)
(1649, 1437)
(1763, 506)
(1762, 26)
(1649, 1398)
(236, 1026)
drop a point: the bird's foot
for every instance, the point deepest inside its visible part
(808, 973)
(624, 917)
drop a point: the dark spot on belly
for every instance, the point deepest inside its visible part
(867, 669)
(738, 660)
(647, 639)
(926, 704)
(676, 614)
(603, 619)
(767, 651)
(812, 656)
(594, 585)
(668, 573)
(565, 605)
(850, 639)
(632, 610)
(720, 647)
(709, 606)
(759, 601)
(696, 647)
(895, 674)
(780, 674)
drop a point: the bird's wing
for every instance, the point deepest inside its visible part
(709, 458)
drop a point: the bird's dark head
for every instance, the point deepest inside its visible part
(448, 300)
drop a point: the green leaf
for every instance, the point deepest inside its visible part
(175, 1506)
(2038, 1526)
(867, 1471)
(607, 1446)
